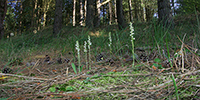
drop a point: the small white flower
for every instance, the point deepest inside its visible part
(110, 39)
(132, 31)
(85, 46)
(77, 47)
(11, 34)
(89, 43)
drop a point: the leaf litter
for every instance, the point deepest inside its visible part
(111, 77)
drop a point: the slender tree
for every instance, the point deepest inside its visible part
(20, 19)
(74, 13)
(136, 9)
(81, 12)
(3, 10)
(89, 15)
(120, 16)
(130, 10)
(164, 13)
(45, 10)
(38, 21)
(115, 7)
(33, 19)
(110, 12)
(85, 8)
(58, 17)
(104, 13)
(97, 13)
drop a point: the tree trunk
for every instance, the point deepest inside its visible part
(97, 13)
(140, 11)
(130, 11)
(58, 17)
(46, 8)
(103, 11)
(89, 15)
(74, 13)
(143, 10)
(33, 14)
(20, 22)
(38, 19)
(3, 10)
(164, 14)
(120, 16)
(81, 12)
(85, 8)
(136, 9)
(110, 12)
(148, 12)
(115, 11)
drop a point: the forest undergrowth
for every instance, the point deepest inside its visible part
(40, 66)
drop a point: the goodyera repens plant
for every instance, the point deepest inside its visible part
(79, 59)
(110, 43)
(85, 50)
(89, 44)
(132, 41)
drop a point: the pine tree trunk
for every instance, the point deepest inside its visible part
(110, 12)
(164, 14)
(33, 14)
(46, 8)
(136, 9)
(140, 11)
(89, 15)
(130, 11)
(38, 18)
(115, 11)
(74, 13)
(81, 12)
(120, 16)
(143, 10)
(58, 18)
(85, 8)
(103, 11)
(20, 22)
(148, 12)
(3, 10)
(97, 13)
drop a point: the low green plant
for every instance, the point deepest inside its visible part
(79, 59)
(132, 42)
(168, 54)
(176, 90)
(89, 44)
(157, 63)
(74, 68)
(110, 42)
(85, 51)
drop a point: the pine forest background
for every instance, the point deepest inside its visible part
(99, 49)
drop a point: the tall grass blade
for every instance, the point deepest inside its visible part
(176, 90)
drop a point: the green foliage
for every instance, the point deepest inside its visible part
(176, 90)
(52, 89)
(69, 88)
(157, 63)
(4, 98)
(74, 68)
(62, 87)
(188, 6)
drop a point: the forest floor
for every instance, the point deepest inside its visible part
(38, 66)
